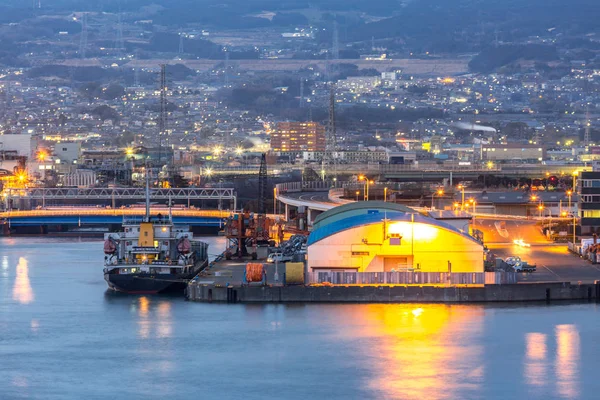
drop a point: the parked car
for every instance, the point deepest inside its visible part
(519, 265)
(278, 257)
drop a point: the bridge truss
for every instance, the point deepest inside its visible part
(123, 193)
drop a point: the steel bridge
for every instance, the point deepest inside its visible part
(187, 194)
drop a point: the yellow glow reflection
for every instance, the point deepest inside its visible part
(164, 322)
(535, 361)
(22, 291)
(567, 361)
(144, 322)
(420, 351)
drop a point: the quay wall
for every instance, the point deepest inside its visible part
(393, 294)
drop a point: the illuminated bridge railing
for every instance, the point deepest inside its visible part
(112, 212)
(123, 193)
(412, 278)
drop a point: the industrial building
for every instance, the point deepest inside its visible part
(513, 152)
(379, 236)
(298, 136)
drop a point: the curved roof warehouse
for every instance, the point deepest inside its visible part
(377, 236)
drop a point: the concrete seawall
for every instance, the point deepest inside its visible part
(394, 294)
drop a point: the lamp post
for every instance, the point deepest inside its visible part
(357, 193)
(385, 194)
(368, 183)
(541, 208)
(462, 203)
(569, 194)
(275, 201)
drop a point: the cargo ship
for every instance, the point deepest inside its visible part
(152, 255)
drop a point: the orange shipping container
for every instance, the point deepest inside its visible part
(254, 272)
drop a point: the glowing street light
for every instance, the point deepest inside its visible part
(42, 155)
(239, 151)
(357, 193)
(439, 192)
(385, 194)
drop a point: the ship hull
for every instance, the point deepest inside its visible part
(149, 284)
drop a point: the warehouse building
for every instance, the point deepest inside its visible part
(381, 237)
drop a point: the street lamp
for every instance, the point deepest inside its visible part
(541, 208)
(569, 194)
(357, 192)
(385, 194)
(275, 201)
(439, 192)
(462, 189)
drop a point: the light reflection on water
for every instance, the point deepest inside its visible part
(567, 361)
(421, 350)
(22, 291)
(535, 359)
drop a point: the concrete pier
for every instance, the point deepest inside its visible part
(203, 292)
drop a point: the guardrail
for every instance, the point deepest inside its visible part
(412, 278)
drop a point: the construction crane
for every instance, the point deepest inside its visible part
(247, 229)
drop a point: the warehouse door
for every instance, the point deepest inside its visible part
(396, 264)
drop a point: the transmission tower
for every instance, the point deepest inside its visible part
(83, 38)
(136, 71)
(331, 141)
(301, 92)
(335, 42)
(119, 42)
(162, 121)
(181, 43)
(262, 184)
(226, 68)
(588, 125)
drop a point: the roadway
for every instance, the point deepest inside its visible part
(506, 230)
(554, 263)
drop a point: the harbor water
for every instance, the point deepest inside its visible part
(62, 336)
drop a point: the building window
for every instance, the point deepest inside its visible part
(591, 213)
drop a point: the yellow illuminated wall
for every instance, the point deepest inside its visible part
(364, 248)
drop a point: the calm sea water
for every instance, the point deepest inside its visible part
(63, 337)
